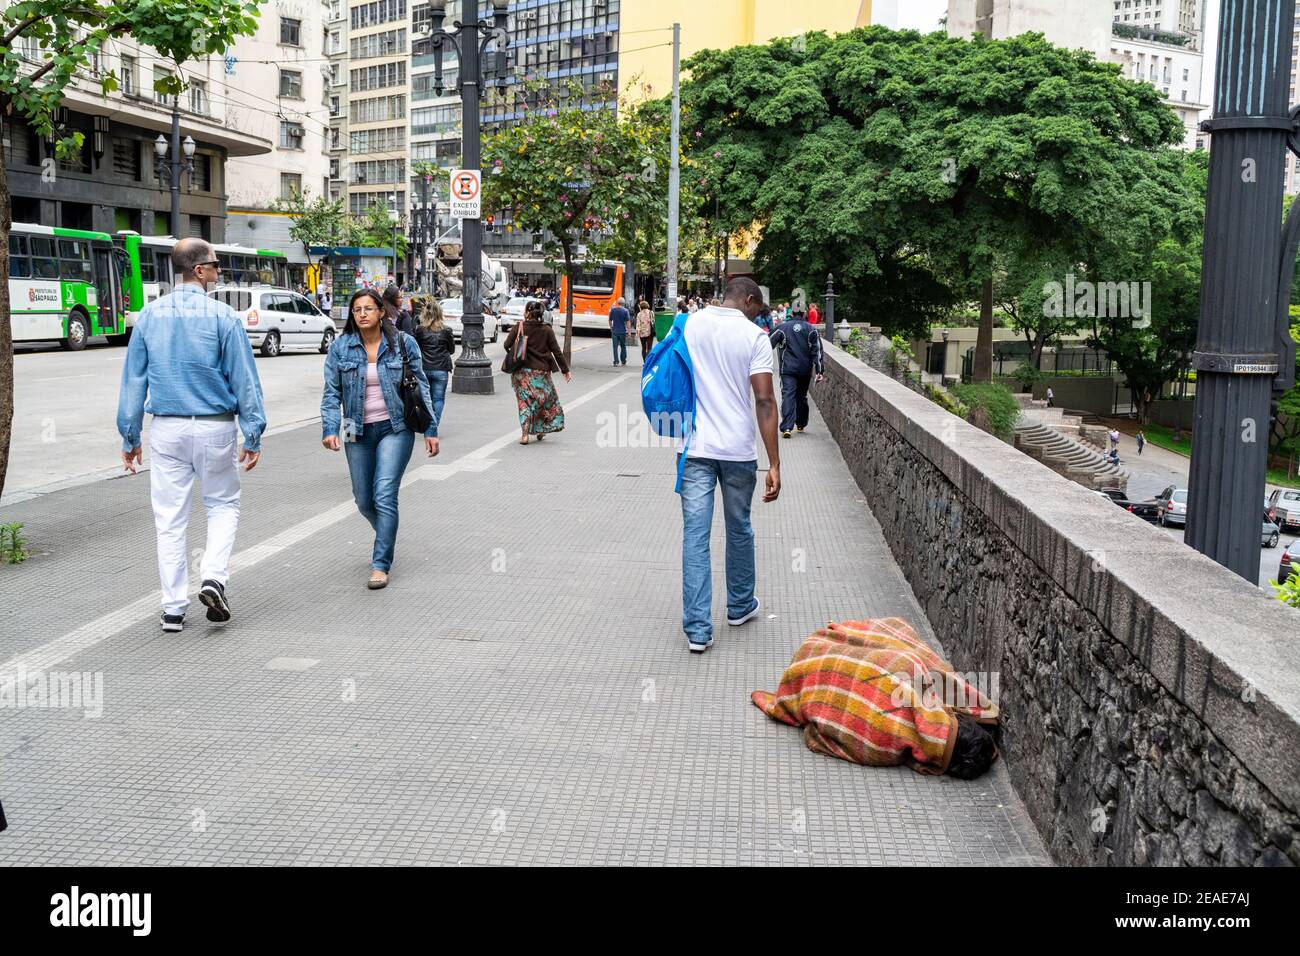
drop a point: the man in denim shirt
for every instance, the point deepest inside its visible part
(190, 355)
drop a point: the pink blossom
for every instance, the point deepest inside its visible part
(717, 154)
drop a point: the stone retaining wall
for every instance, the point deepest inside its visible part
(1150, 698)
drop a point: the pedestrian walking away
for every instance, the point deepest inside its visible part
(437, 347)
(398, 316)
(801, 359)
(190, 366)
(1050, 397)
(814, 314)
(645, 329)
(765, 321)
(361, 410)
(1141, 441)
(619, 318)
(540, 411)
(732, 374)
(1114, 439)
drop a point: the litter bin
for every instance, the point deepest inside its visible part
(663, 322)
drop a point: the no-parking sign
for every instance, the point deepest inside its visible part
(466, 193)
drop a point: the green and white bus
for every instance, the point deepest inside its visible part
(65, 285)
(147, 268)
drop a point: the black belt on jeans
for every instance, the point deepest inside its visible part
(219, 417)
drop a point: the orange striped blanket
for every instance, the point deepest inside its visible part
(873, 693)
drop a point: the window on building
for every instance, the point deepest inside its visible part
(291, 135)
(198, 96)
(334, 106)
(290, 185)
(290, 31)
(378, 77)
(291, 84)
(128, 75)
(160, 74)
(334, 138)
(377, 109)
(203, 172)
(126, 158)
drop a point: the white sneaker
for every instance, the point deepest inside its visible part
(698, 648)
(749, 616)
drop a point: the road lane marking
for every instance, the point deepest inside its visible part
(88, 635)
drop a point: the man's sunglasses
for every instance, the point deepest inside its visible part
(214, 262)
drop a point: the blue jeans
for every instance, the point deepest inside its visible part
(620, 343)
(737, 479)
(377, 460)
(437, 391)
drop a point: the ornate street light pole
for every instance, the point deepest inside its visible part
(473, 374)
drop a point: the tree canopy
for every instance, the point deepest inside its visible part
(909, 165)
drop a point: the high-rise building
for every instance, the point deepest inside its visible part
(374, 165)
(276, 84)
(1160, 42)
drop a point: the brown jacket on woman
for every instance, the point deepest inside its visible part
(542, 347)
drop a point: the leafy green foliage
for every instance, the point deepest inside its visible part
(13, 546)
(1026, 375)
(579, 175)
(996, 402)
(915, 167)
(317, 221)
(1288, 592)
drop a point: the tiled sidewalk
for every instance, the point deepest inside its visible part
(521, 692)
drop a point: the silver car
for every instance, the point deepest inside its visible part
(1172, 505)
(452, 312)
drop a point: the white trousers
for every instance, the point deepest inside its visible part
(182, 449)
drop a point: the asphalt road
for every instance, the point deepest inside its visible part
(65, 408)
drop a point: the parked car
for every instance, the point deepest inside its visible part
(1172, 506)
(1284, 505)
(1290, 558)
(1146, 510)
(1270, 533)
(454, 309)
(278, 319)
(513, 311)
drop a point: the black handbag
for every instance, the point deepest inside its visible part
(515, 355)
(414, 412)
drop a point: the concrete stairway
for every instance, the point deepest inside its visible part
(1068, 457)
(1036, 411)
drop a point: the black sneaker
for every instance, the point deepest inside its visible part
(173, 622)
(213, 596)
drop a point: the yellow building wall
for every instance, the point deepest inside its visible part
(645, 29)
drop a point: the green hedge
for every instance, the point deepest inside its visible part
(998, 403)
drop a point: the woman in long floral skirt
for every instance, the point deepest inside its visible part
(540, 412)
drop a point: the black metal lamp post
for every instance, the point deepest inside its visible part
(170, 172)
(473, 373)
(829, 318)
(1243, 348)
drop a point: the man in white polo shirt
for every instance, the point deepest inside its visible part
(732, 363)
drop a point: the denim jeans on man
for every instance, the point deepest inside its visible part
(620, 346)
(699, 478)
(437, 391)
(377, 459)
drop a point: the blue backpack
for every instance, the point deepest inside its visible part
(668, 390)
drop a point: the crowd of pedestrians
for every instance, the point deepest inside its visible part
(385, 379)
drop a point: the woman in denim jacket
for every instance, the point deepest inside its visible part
(363, 372)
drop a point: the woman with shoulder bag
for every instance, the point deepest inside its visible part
(645, 328)
(366, 396)
(437, 347)
(529, 363)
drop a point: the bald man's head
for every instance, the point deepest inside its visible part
(188, 255)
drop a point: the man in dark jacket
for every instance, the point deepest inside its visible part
(801, 359)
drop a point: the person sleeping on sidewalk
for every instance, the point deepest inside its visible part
(872, 693)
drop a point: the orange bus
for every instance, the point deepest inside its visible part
(596, 291)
